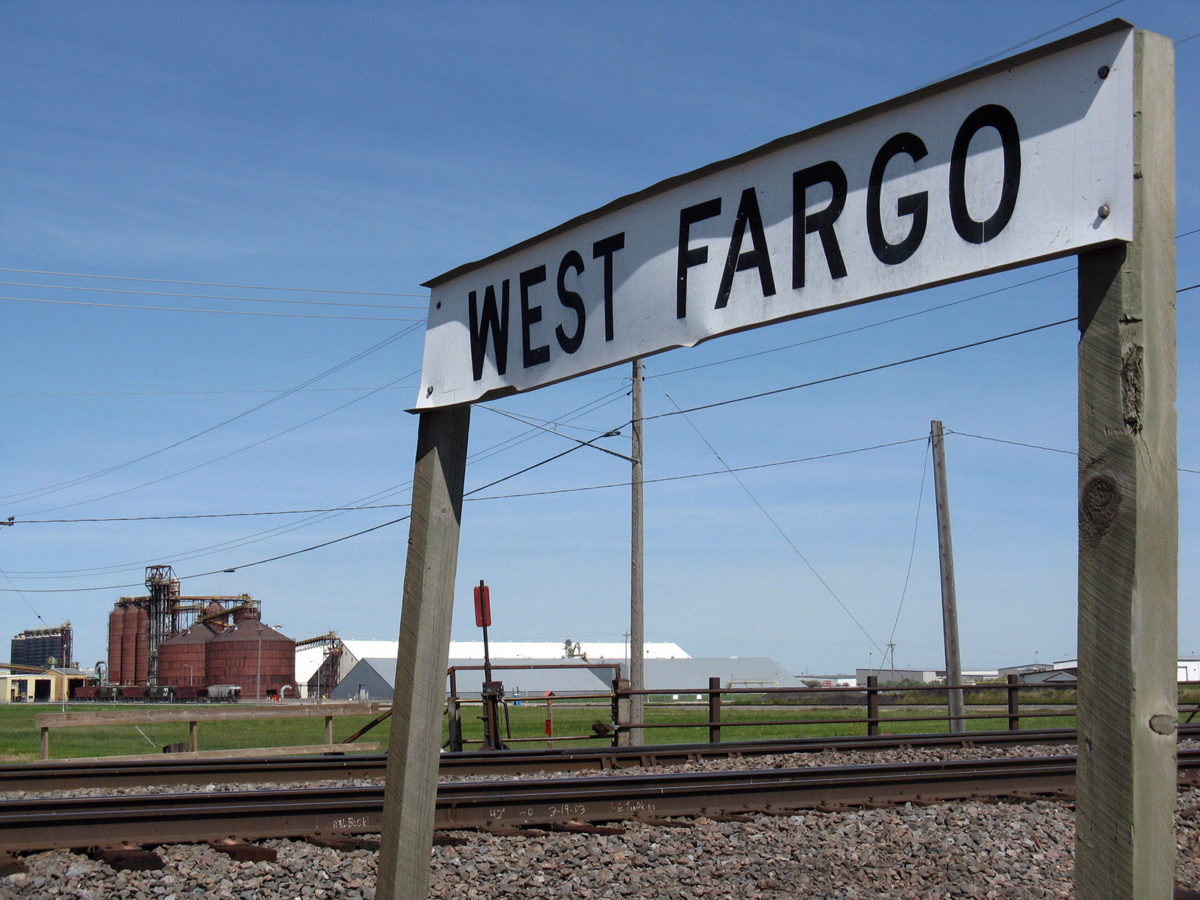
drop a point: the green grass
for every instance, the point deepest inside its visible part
(20, 738)
(674, 723)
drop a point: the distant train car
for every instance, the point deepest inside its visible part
(224, 693)
(86, 692)
(186, 693)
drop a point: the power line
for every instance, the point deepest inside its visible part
(912, 551)
(869, 325)
(337, 540)
(1036, 37)
(311, 390)
(95, 290)
(318, 517)
(219, 312)
(54, 488)
(468, 495)
(997, 440)
(774, 523)
(227, 515)
(220, 284)
(880, 367)
(663, 479)
(223, 456)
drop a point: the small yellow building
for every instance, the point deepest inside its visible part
(48, 686)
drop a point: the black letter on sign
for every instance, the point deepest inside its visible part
(687, 218)
(821, 222)
(530, 315)
(571, 300)
(606, 247)
(757, 258)
(1002, 120)
(915, 205)
(496, 324)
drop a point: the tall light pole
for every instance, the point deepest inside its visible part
(258, 677)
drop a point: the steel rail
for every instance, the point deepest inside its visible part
(98, 773)
(153, 819)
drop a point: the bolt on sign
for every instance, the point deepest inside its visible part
(1020, 161)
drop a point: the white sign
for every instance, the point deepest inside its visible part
(1024, 160)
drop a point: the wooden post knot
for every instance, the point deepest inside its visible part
(1101, 499)
(1163, 724)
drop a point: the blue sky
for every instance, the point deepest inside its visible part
(355, 150)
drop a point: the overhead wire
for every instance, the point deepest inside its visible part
(362, 354)
(224, 456)
(310, 520)
(869, 325)
(877, 368)
(605, 486)
(220, 284)
(1030, 40)
(770, 518)
(322, 544)
(997, 440)
(468, 495)
(220, 312)
(95, 290)
(912, 553)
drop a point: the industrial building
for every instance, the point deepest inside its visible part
(324, 662)
(19, 685)
(367, 669)
(44, 647)
(190, 642)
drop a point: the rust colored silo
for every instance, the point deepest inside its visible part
(141, 659)
(181, 657)
(128, 645)
(245, 614)
(254, 656)
(116, 621)
(219, 619)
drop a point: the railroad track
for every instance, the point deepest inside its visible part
(101, 774)
(331, 813)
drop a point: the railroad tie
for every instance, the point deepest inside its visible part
(243, 852)
(127, 857)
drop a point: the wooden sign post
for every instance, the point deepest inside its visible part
(1129, 523)
(410, 796)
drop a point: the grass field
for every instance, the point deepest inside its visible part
(673, 723)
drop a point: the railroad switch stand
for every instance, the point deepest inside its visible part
(491, 695)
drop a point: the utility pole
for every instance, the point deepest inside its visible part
(637, 640)
(954, 697)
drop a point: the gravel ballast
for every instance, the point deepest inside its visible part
(953, 849)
